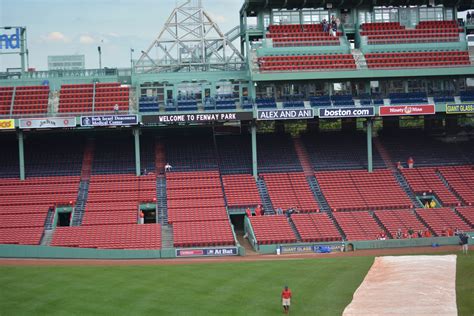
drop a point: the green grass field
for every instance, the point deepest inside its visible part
(320, 287)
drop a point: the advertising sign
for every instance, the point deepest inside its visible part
(196, 118)
(402, 110)
(7, 124)
(460, 108)
(51, 122)
(285, 249)
(109, 120)
(11, 40)
(207, 252)
(289, 114)
(345, 112)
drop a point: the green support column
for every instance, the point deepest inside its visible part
(21, 155)
(253, 129)
(370, 167)
(136, 133)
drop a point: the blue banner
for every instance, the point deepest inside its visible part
(207, 252)
(345, 112)
(109, 120)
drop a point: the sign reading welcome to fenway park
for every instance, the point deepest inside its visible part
(50, 122)
(459, 108)
(401, 110)
(207, 252)
(196, 118)
(343, 112)
(109, 120)
(286, 114)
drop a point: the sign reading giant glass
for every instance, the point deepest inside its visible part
(344, 112)
(109, 120)
(10, 41)
(459, 108)
(293, 114)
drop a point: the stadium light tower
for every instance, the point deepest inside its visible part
(100, 56)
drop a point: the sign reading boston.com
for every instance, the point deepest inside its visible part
(343, 112)
(109, 120)
(293, 114)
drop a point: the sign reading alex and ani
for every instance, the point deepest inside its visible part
(293, 114)
(460, 108)
(109, 120)
(50, 122)
(402, 110)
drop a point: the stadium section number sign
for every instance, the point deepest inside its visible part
(196, 118)
(402, 110)
(344, 112)
(52, 122)
(7, 124)
(295, 114)
(459, 108)
(109, 120)
(207, 252)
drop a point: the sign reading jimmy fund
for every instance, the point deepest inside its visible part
(109, 120)
(196, 118)
(459, 108)
(50, 122)
(290, 114)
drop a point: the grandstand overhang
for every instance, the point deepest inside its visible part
(251, 7)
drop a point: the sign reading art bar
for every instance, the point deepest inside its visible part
(343, 112)
(460, 108)
(402, 110)
(207, 252)
(196, 118)
(51, 122)
(7, 124)
(109, 120)
(289, 114)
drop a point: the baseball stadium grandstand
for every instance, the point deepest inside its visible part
(336, 124)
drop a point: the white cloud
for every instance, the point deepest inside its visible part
(87, 39)
(56, 37)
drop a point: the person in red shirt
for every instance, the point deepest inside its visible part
(258, 210)
(410, 162)
(286, 299)
(248, 212)
(427, 233)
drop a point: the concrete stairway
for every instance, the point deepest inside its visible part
(80, 203)
(265, 197)
(167, 236)
(318, 194)
(404, 184)
(47, 237)
(303, 157)
(295, 231)
(162, 203)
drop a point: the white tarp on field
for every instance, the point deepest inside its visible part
(407, 285)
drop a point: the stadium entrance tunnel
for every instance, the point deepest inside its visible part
(149, 213)
(238, 221)
(428, 201)
(63, 216)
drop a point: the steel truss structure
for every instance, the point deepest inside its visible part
(191, 41)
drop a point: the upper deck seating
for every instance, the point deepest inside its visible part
(76, 98)
(31, 100)
(290, 190)
(190, 153)
(360, 190)
(301, 35)
(114, 154)
(425, 32)
(276, 153)
(6, 95)
(408, 98)
(235, 153)
(149, 104)
(417, 59)
(307, 62)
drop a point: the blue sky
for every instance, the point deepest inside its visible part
(62, 27)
